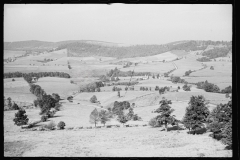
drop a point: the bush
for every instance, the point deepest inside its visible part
(136, 118)
(14, 107)
(93, 99)
(61, 125)
(153, 122)
(13, 79)
(20, 118)
(44, 118)
(51, 125)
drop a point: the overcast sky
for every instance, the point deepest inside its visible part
(119, 23)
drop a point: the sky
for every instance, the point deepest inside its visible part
(118, 23)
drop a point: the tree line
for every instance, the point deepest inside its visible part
(38, 75)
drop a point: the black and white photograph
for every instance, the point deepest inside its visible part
(117, 80)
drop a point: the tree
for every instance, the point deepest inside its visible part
(227, 90)
(126, 88)
(56, 97)
(104, 116)
(9, 102)
(165, 111)
(20, 118)
(94, 117)
(46, 103)
(114, 88)
(153, 76)
(178, 87)
(14, 106)
(186, 87)
(220, 122)
(93, 99)
(130, 113)
(156, 88)
(13, 79)
(98, 89)
(211, 68)
(161, 90)
(196, 113)
(118, 93)
(122, 118)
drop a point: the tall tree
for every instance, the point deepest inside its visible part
(165, 111)
(196, 113)
(94, 117)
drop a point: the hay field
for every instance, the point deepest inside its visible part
(221, 81)
(11, 54)
(157, 67)
(187, 64)
(27, 69)
(62, 86)
(220, 69)
(18, 90)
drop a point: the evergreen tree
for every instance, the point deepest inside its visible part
(196, 113)
(20, 118)
(165, 111)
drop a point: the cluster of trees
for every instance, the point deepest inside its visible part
(117, 73)
(208, 87)
(167, 73)
(116, 88)
(126, 83)
(216, 52)
(186, 87)
(220, 123)
(197, 114)
(176, 79)
(163, 89)
(203, 59)
(9, 105)
(92, 87)
(103, 116)
(227, 90)
(38, 75)
(145, 88)
(187, 73)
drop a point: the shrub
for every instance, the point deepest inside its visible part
(13, 79)
(93, 99)
(20, 118)
(44, 118)
(153, 122)
(136, 118)
(51, 125)
(61, 125)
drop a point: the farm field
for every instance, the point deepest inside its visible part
(151, 142)
(18, 90)
(62, 86)
(11, 54)
(154, 67)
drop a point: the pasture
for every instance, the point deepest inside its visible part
(62, 86)
(11, 54)
(18, 90)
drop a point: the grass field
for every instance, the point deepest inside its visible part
(62, 86)
(18, 90)
(10, 54)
